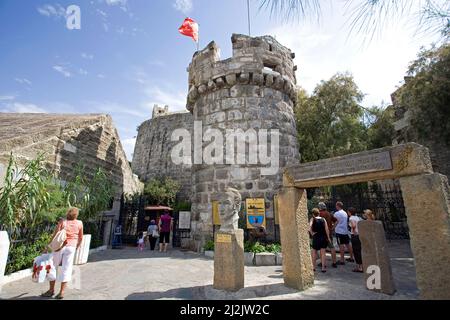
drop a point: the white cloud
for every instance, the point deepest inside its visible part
(116, 2)
(82, 72)
(157, 95)
(101, 76)
(7, 98)
(184, 6)
(23, 81)
(48, 10)
(87, 56)
(17, 107)
(63, 70)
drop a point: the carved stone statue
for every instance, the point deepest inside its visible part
(230, 204)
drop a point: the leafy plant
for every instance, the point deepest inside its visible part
(162, 191)
(22, 254)
(209, 245)
(254, 247)
(273, 248)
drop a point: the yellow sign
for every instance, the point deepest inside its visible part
(223, 238)
(256, 212)
(275, 209)
(215, 213)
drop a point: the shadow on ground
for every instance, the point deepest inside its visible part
(209, 293)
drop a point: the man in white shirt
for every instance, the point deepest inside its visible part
(342, 232)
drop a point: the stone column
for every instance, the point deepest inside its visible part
(4, 250)
(427, 203)
(293, 215)
(229, 260)
(375, 254)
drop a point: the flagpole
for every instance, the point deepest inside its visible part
(248, 18)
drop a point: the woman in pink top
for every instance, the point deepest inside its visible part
(74, 232)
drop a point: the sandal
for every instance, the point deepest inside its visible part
(323, 271)
(59, 297)
(47, 294)
(358, 271)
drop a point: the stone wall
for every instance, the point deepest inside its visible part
(255, 89)
(152, 153)
(66, 141)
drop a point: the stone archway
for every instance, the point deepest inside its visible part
(426, 198)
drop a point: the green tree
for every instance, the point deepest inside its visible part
(162, 191)
(426, 94)
(380, 129)
(329, 122)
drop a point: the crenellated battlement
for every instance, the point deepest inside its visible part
(260, 61)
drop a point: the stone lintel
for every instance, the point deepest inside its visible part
(386, 163)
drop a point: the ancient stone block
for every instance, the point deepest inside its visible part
(265, 259)
(231, 79)
(427, 204)
(293, 215)
(229, 260)
(375, 254)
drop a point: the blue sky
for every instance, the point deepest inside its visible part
(129, 55)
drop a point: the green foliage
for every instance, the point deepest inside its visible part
(329, 122)
(22, 254)
(209, 245)
(162, 191)
(254, 247)
(182, 206)
(426, 95)
(380, 129)
(273, 248)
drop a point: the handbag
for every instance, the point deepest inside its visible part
(155, 233)
(59, 239)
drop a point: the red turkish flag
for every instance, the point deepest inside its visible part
(189, 28)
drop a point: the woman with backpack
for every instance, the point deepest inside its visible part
(65, 241)
(153, 234)
(320, 238)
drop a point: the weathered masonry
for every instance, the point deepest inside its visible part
(427, 202)
(254, 89)
(152, 153)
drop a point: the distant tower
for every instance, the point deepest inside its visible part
(255, 89)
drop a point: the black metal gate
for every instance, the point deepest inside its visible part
(386, 202)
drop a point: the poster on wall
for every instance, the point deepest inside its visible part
(256, 212)
(184, 220)
(215, 213)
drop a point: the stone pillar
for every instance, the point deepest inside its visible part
(427, 203)
(4, 250)
(229, 260)
(375, 253)
(107, 228)
(293, 215)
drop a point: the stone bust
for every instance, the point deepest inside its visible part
(230, 204)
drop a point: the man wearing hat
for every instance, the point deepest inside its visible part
(331, 222)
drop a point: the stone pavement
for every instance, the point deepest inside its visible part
(129, 274)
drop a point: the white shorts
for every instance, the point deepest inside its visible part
(66, 255)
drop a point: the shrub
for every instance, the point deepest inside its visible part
(22, 254)
(254, 247)
(273, 248)
(209, 245)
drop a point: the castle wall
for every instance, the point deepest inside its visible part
(152, 153)
(255, 89)
(66, 141)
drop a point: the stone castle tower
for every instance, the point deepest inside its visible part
(152, 153)
(256, 90)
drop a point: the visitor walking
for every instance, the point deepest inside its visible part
(320, 238)
(65, 255)
(165, 227)
(153, 234)
(342, 233)
(356, 243)
(141, 241)
(368, 214)
(331, 223)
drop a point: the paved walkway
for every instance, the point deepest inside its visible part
(129, 274)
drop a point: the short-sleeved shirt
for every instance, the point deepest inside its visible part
(342, 222)
(165, 223)
(74, 231)
(355, 219)
(329, 218)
